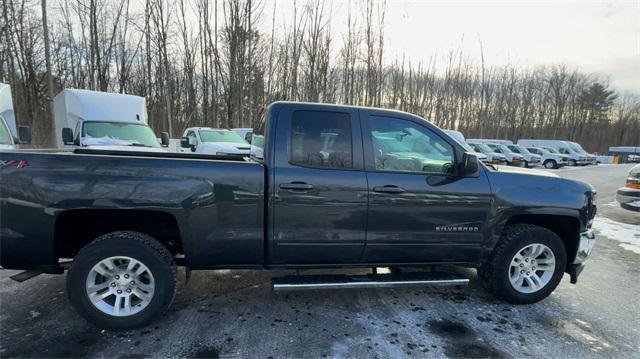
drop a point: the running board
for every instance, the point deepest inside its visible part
(309, 282)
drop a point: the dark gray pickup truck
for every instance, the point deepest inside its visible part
(326, 186)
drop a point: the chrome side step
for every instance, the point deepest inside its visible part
(310, 282)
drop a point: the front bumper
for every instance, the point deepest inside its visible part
(629, 198)
(585, 246)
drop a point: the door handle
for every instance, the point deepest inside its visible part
(388, 189)
(296, 186)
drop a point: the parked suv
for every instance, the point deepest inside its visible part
(562, 147)
(492, 156)
(513, 159)
(530, 159)
(550, 160)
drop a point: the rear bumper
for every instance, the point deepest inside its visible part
(585, 246)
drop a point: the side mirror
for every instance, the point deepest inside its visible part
(164, 139)
(24, 134)
(470, 164)
(67, 136)
(184, 142)
(248, 137)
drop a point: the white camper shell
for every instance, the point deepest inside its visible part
(102, 120)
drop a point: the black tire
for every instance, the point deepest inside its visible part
(550, 164)
(495, 273)
(139, 246)
(573, 163)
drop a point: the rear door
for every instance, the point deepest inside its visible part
(319, 199)
(420, 210)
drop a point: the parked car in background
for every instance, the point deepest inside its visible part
(492, 156)
(458, 136)
(500, 146)
(11, 136)
(591, 158)
(549, 160)
(530, 159)
(104, 121)
(213, 141)
(629, 195)
(513, 159)
(245, 133)
(562, 147)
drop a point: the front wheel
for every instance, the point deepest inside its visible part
(550, 164)
(122, 280)
(527, 264)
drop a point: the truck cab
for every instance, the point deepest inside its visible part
(104, 121)
(11, 136)
(592, 159)
(213, 141)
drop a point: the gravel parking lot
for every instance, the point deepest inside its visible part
(235, 314)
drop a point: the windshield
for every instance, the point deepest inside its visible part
(132, 134)
(504, 149)
(5, 136)
(577, 148)
(482, 147)
(220, 136)
(519, 149)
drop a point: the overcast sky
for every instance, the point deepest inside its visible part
(596, 36)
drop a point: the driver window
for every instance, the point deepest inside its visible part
(404, 146)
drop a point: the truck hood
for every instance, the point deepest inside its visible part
(127, 148)
(224, 147)
(525, 171)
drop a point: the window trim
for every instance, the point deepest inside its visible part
(351, 134)
(368, 143)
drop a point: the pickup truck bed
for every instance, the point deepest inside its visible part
(74, 196)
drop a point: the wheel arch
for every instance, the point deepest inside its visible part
(564, 226)
(76, 228)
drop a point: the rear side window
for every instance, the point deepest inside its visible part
(321, 139)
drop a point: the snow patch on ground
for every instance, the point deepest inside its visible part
(627, 234)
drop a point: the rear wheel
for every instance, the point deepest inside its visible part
(122, 280)
(527, 264)
(550, 164)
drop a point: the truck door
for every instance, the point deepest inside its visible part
(319, 191)
(420, 209)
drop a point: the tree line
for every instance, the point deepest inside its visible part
(218, 63)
